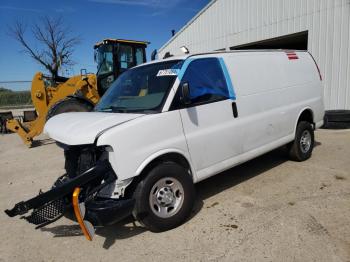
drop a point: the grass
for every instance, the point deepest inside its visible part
(10, 98)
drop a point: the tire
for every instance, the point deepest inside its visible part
(164, 198)
(301, 148)
(69, 105)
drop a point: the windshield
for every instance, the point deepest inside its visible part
(104, 59)
(141, 89)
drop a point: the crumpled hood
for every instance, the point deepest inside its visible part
(78, 128)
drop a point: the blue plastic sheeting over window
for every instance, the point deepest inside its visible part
(231, 90)
(207, 80)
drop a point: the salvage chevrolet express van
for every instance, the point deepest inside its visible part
(165, 125)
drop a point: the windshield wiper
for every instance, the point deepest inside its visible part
(114, 109)
(120, 109)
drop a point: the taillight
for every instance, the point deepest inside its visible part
(318, 69)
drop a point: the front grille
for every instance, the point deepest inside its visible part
(87, 159)
(79, 159)
(47, 214)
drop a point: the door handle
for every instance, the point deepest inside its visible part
(234, 109)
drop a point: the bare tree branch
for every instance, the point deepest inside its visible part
(56, 46)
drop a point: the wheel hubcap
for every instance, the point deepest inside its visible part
(166, 197)
(305, 141)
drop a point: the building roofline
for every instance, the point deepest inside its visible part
(187, 25)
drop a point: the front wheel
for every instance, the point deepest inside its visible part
(301, 148)
(164, 198)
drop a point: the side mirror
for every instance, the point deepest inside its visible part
(186, 97)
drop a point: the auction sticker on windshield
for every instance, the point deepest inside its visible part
(168, 72)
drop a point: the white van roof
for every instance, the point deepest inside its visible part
(244, 51)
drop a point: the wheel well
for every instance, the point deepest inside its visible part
(169, 157)
(307, 116)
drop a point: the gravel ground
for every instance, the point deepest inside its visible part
(268, 209)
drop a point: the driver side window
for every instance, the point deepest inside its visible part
(206, 81)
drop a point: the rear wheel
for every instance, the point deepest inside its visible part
(164, 198)
(301, 148)
(69, 105)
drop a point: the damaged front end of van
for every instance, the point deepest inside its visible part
(79, 191)
(91, 187)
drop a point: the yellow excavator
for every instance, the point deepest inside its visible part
(78, 93)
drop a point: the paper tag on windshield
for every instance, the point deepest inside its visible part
(168, 72)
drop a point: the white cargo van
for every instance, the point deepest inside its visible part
(168, 124)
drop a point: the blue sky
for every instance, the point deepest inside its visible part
(92, 20)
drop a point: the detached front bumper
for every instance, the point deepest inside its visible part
(90, 211)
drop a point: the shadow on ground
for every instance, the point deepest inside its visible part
(42, 142)
(64, 230)
(234, 176)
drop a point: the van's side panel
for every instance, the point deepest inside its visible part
(304, 77)
(260, 81)
(271, 93)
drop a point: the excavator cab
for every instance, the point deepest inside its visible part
(114, 56)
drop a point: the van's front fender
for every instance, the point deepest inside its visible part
(164, 152)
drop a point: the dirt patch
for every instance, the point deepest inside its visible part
(213, 205)
(338, 177)
(229, 226)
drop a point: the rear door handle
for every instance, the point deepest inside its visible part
(234, 109)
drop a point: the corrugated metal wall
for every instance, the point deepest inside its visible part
(226, 23)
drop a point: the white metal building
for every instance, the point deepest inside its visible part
(320, 26)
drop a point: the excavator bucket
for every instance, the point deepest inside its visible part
(26, 133)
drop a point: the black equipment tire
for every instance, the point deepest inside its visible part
(69, 105)
(171, 183)
(337, 119)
